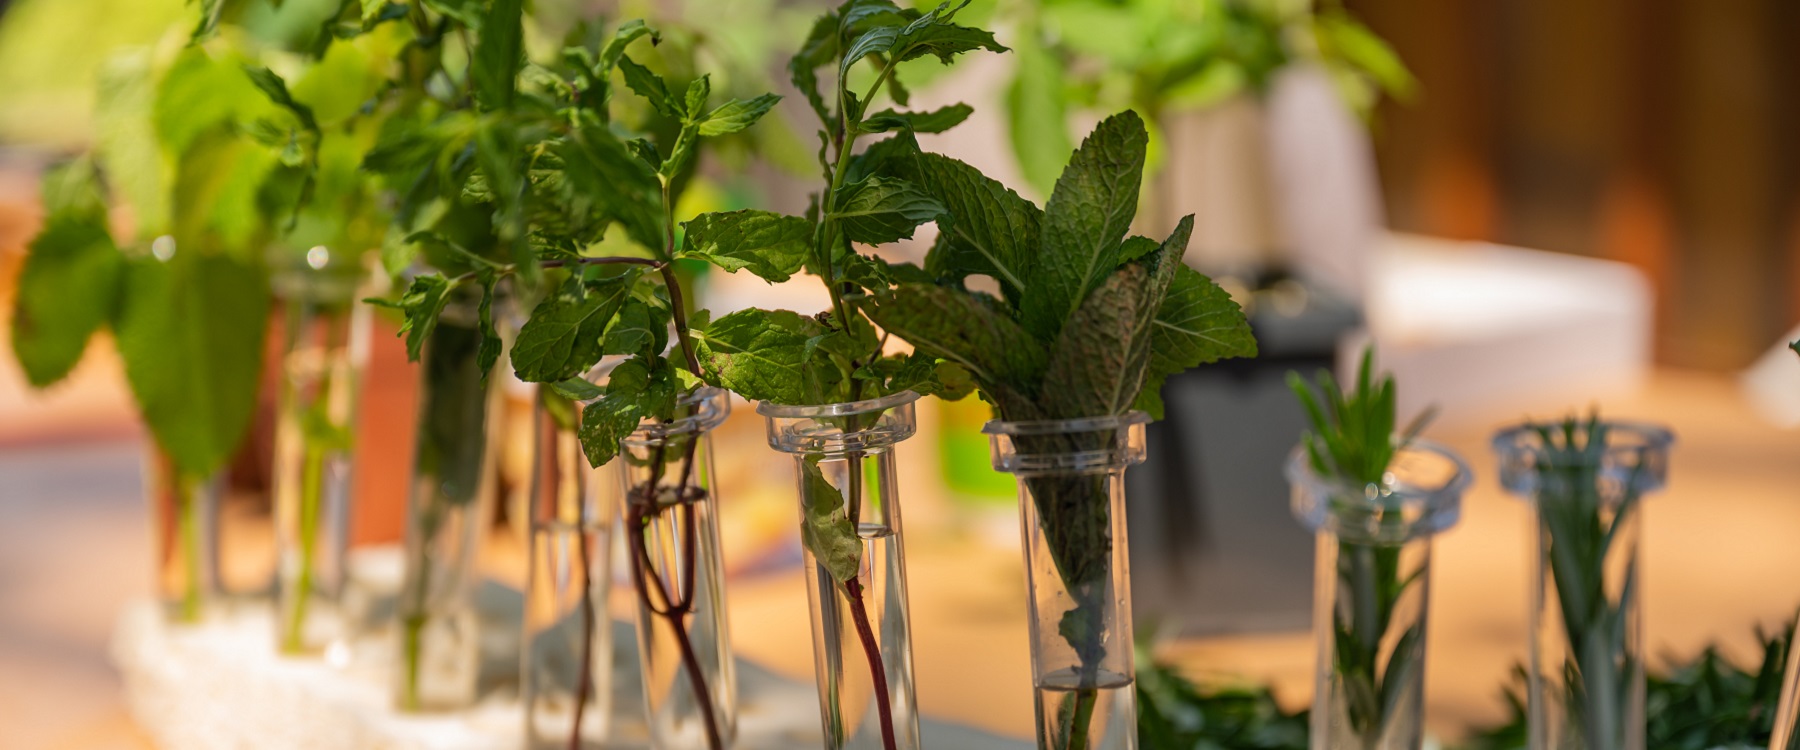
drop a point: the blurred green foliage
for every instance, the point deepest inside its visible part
(1156, 56)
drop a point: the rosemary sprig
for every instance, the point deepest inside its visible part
(1351, 444)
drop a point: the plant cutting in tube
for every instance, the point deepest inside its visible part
(1377, 625)
(1089, 323)
(514, 172)
(837, 356)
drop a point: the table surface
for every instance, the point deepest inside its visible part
(73, 541)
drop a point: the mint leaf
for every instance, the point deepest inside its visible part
(736, 115)
(826, 529)
(875, 41)
(879, 210)
(494, 68)
(638, 329)
(601, 168)
(276, 89)
(1098, 365)
(563, 338)
(994, 232)
(650, 86)
(67, 289)
(629, 398)
(604, 423)
(1036, 108)
(637, 389)
(759, 354)
(71, 191)
(1198, 323)
(422, 304)
(935, 121)
(129, 144)
(955, 325)
(933, 34)
(576, 389)
(820, 47)
(191, 334)
(1085, 221)
(489, 351)
(1138, 246)
(772, 246)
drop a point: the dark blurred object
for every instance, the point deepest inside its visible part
(1213, 546)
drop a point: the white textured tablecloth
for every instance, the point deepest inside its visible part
(220, 686)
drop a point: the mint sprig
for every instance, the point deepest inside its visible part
(1084, 327)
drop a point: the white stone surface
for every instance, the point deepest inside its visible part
(220, 686)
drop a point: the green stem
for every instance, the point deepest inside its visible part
(312, 485)
(1085, 700)
(187, 522)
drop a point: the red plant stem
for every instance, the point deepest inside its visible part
(585, 684)
(859, 612)
(676, 608)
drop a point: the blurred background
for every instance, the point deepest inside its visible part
(1530, 208)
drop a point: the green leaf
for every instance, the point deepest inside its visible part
(1795, 346)
(637, 389)
(600, 167)
(1197, 324)
(879, 210)
(72, 191)
(564, 336)
(759, 354)
(276, 89)
(128, 143)
(638, 329)
(494, 68)
(933, 34)
(603, 424)
(215, 195)
(489, 351)
(1098, 365)
(826, 529)
(994, 232)
(820, 47)
(67, 289)
(576, 389)
(422, 304)
(956, 326)
(191, 334)
(498, 151)
(650, 86)
(736, 115)
(699, 90)
(1085, 222)
(1036, 113)
(935, 121)
(875, 41)
(772, 246)
(199, 93)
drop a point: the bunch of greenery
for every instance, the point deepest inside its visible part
(1703, 703)
(1708, 702)
(837, 356)
(1089, 323)
(1584, 507)
(1351, 444)
(1175, 713)
(1155, 57)
(508, 177)
(209, 154)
